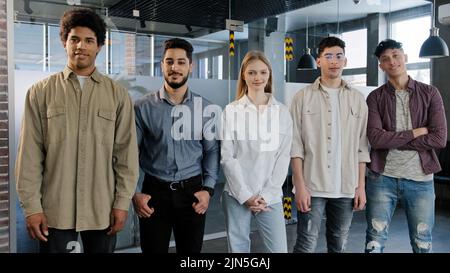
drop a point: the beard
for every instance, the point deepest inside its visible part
(176, 85)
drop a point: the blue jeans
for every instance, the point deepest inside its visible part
(270, 224)
(339, 214)
(417, 198)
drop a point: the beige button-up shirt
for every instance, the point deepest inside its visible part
(311, 114)
(77, 157)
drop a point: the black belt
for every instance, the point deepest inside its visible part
(177, 184)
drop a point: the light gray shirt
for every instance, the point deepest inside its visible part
(404, 163)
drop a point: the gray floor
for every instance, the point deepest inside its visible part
(398, 241)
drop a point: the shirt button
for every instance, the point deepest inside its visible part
(329, 137)
(329, 111)
(329, 124)
(329, 151)
(328, 166)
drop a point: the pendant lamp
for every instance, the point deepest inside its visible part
(434, 46)
(307, 61)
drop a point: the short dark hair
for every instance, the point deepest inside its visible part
(330, 42)
(82, 17)
(179, 43)
(385, 45)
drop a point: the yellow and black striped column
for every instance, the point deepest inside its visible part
(231, 43)
(288, 48)
(287, 207)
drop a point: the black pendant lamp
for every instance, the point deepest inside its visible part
(307, 61)
(434, 46)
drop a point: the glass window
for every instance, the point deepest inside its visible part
(29, 46)
(100, 61)
(401, 31)
(123, 50)
(217, 67)
(143, 52)
(360, 79)
(422, 75)
(203, 68)
(57, 57)
(356, 48)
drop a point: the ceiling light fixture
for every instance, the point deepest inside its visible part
(307, 61)
(434, 46)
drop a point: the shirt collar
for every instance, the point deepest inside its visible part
(163, 95)
(410, 86)
(247, 102)
(317, 85)
(96, 76)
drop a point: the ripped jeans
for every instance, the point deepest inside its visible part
(416, 197)
(338, 213)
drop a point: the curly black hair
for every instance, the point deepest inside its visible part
(82, 17)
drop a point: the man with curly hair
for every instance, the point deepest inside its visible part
(77, 163)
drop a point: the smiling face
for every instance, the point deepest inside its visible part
(393, 62)
(256, 75)
(176, 67)
(332, 62)
(82, 49)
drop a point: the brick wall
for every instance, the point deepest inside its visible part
(4, 152)
(130, 53)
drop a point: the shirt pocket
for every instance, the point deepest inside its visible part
(355, 112)
(55, 125)
(311, 117)
(107, 123)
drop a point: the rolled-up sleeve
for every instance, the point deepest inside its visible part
(211, 158)
(363, 149)
(297, 149)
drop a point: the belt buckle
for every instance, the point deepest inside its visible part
(173, 185)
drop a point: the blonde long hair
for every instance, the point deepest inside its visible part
(252, 55)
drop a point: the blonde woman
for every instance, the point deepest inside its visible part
(255, 155)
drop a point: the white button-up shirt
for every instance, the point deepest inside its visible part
(255, 150)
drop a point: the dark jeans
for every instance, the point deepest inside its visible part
(66, 241)
(172, 203)
(339, 214)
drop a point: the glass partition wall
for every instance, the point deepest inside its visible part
(133, 50)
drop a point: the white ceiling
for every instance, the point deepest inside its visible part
(327, 12)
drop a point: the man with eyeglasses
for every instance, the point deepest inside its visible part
(180, 163)
(406, 123)
(329, 152)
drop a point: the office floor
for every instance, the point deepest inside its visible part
(398, 241)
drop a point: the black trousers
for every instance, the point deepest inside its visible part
(172, 203)
(66, 241)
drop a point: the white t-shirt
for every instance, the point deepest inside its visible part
(336, 148)
(82, 80)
